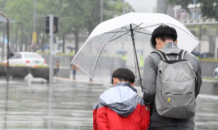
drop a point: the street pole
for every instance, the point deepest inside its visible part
(7, 45)
(33, 35)
(16, 43)
(21, 44)
(51, 18)
(101, 11)
(43, 41)
(51, 23)
(6, 104)
(34, 17)
(123, 6)
(3, 45)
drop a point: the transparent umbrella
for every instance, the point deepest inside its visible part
(121, 51)
(131, 32)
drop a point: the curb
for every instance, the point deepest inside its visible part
(80, 81)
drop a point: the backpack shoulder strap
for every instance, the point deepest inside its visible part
(181, 54)
(162, 55)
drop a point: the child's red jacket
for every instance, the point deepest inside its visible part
(120, 108)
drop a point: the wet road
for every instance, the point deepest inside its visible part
(68, 106)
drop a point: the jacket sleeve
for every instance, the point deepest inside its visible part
(149, 80)
(145, 118)
(100, 121)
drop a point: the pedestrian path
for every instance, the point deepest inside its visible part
(67, 105)
(81, 81)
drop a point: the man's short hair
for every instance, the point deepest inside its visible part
(123, 74)
(163, 32)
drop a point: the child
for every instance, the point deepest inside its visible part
(120, 107)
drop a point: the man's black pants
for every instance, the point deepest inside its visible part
(170, 128)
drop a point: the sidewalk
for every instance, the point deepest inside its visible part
(80, 81)
(104, 79)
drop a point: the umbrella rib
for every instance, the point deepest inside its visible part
(127, 29)
(149, 26)
(142, 32)
(152, 25)
(81, 69)
(98, 58)
(115, 32)
(102, 51)
(118, 37)
(134, 27)
(137, 26)
(125, 34)
(142, 29)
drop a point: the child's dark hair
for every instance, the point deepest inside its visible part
(123, 74)
(163, 32)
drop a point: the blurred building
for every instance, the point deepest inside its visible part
(163, 7)
(203, 31)
(194, 17)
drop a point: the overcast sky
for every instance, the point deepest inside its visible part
(143, 5)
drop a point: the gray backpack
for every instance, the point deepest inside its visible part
(175, 87)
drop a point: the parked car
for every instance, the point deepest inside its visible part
(197, 54)
(207, 55)
(26, 58)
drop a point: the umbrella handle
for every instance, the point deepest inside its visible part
(134, 48)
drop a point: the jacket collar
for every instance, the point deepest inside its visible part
(125, 84)
(171, 45)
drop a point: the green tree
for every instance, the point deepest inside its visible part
(60, 9)
(78, 15)
(74, 15)
(92, 11)
(209, 8)
(86, 14)
(22, 13)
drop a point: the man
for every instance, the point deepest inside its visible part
(120, 107)
(164, 38)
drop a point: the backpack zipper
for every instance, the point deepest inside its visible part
(170, 94)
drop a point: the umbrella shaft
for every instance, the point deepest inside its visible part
(133, 41)
(132, 34)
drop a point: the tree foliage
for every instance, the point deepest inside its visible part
(209, 8)
(74, 15)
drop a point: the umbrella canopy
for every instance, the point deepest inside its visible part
(149, 21)
(131, 31)
(121, 51)
(139, 50)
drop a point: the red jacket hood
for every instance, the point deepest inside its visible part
(121, 98)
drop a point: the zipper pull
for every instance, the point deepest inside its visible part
(169, 94)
